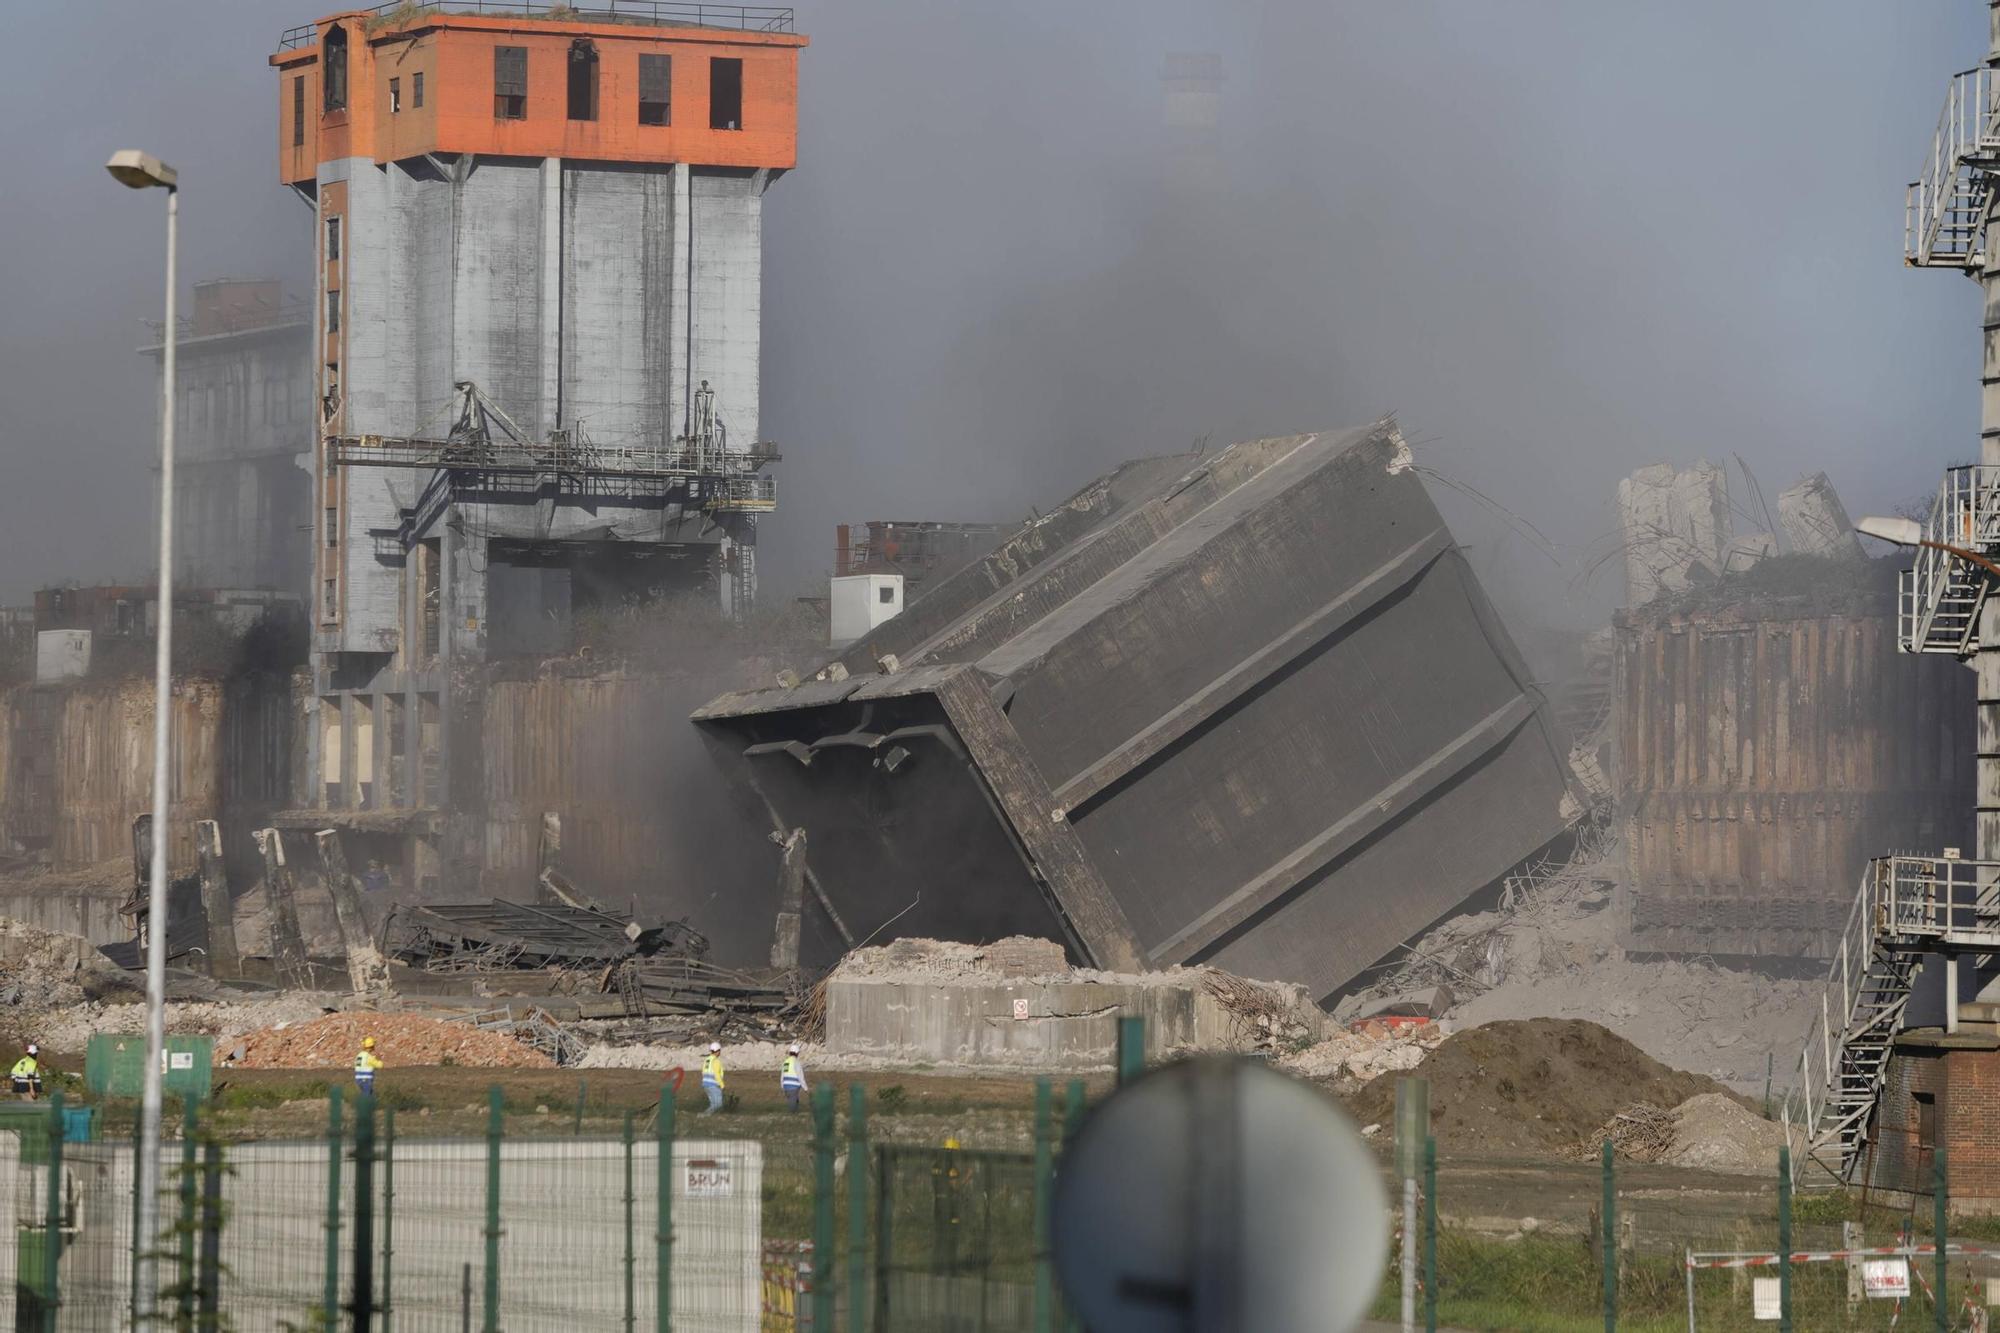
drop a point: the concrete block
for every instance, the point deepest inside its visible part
(1675, 521)
(1815, 521)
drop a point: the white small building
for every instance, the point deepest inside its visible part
(860, 602)
(61, 654)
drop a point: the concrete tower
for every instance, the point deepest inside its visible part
(538, 240)
(1191, 114)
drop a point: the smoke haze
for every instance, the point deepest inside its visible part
(1559, 239)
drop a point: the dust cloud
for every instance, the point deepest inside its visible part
(1559, 239)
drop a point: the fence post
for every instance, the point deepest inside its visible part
(52, 1220)
(1131, 1047)
(138, 1226)
(1044, 1182)
(364, 1213)
(857, 1208)
(823, 1263)
(184, 1295)
(330, 1298)
(1610, 1242)
(388, 1307)
(663, 1234)
(631, 1247)
(885, 1222)
(208, 1315)
(495, 1124)
(582, 1088)
(1785, 1239)
(1940, 1197)
(1073, 1108)
(1430, 1234)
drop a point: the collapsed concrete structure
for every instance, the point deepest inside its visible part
(1250, 709)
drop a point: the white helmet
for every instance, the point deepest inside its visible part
(793, 1048)
(715, 1046)
(34, 1049)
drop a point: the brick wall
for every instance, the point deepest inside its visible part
(1964, 1087)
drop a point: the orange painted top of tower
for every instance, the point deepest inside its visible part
(649, 84)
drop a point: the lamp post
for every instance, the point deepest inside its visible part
(143, 171)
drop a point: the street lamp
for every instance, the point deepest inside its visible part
(1909, 532)
(143, 171)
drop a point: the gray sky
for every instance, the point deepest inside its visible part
(1560, 239)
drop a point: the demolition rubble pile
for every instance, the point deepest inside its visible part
(1559, 1086)
(1710, 1131)
(45, 969)
(329, 1042)
(1550, 949)
(1366, 1051)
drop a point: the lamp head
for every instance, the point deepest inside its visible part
(1895, 531)
(140, 170)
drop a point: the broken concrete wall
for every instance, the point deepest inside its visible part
(1815, 521)
(1674, 522)
(1024, 1022)
(1250, 709)
(1771, 740)
(80, 762)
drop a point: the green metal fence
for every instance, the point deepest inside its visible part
(661, 1225)
(867, 1226)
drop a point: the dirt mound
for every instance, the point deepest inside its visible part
(401, 1040)
(1532, 1087)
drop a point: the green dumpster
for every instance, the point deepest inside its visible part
(114, 1065)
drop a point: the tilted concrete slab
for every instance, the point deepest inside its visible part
(1250, 709)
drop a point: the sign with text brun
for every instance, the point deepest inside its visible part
(707, 1178)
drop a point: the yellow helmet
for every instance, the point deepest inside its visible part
(951, 1143)
(367, 1043)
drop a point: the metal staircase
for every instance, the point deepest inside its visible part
(1907, 906)
(1940, 596)
(1944, 212)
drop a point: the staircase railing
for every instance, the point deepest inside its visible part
(1819, 1060)
(1938, 596)
(1944, 208)
(1905, 905)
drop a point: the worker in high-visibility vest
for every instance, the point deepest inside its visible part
(711, 1077)
(792, 1078)
(365, 1065)
(28, 1073)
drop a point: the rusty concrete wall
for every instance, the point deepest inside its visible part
(76, 762)
(1766, 749)
(644, 813)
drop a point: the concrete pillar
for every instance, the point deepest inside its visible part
(288, 942)
(365, 968)
(1987, 660)
(791, 898)
(680, 369)
(553, 314)
(215, 904)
